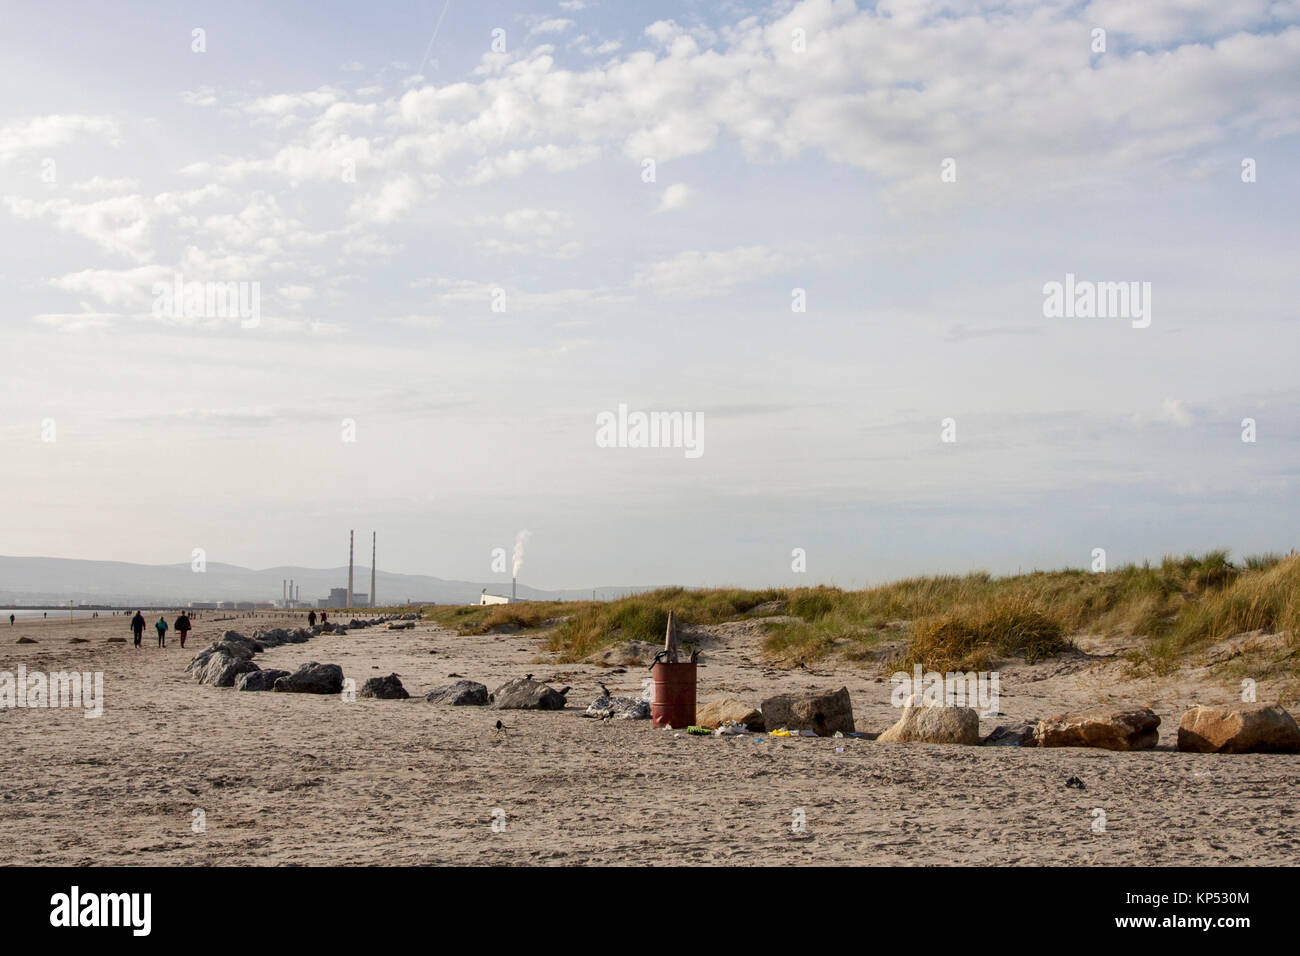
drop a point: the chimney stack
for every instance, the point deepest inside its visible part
(284, 592)
(351, 540)
(512, 589)
(374, 536)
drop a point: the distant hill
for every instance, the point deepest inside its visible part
(59, 580)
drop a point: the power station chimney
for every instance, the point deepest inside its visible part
(512, 589)
(374, 537)
(291, 589)
(284, 592)
(297, 595)
(351, 540)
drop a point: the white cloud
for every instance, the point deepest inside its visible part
(674, 197)
(700, 274)
(42, 133)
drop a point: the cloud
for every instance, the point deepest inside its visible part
(674, 197)
(119, 224)
(43, 133)
(693, 274)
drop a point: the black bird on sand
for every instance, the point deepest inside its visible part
(501, 726)
(528, 677)
(604, 690)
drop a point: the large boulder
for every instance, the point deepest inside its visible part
(1126, 728)
(624, 708)
(463, 693)
(259, 680)
(823, 714)
(934, 725)
(219, 667)
(312, 678)
(1245, 730)
(235, 639)
(524, 693)
(715, 712)
(384, 688)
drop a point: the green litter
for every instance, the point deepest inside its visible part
(699, 731)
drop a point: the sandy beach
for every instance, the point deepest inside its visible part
(294, 779)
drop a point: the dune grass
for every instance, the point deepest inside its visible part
(949, 622)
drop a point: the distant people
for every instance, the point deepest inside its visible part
(183, 627)
(11, 620)
(324, 618)
(162, 631)
(311, 619)
(137, 627)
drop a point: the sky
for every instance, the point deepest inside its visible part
(824, 230)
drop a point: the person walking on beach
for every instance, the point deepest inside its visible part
(162, 631)
(183, 626)
(311, 619)
(11, 620)
(137, 627)
(324, 618)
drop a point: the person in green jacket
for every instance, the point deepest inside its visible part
(162, 631)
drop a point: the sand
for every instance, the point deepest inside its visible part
(300, 779)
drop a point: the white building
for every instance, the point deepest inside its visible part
(486, 598)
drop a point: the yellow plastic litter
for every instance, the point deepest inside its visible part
(781, 733)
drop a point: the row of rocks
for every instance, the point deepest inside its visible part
(1247, 729)
(1224, 730)
(229, 663)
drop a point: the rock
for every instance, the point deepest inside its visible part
(312, 678)
(526, 694)
(237, 639)
(624, 708)
(218, 667)
(401, 625)
(25, 640)
(1128, 728)
(463, 693)
(823, 714)
(384, 688)
(715, 712)
(82, 640)
(1244, 730)
(1012, 735)
(259, 680)
(934, 725)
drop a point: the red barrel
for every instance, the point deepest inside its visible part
(674, 703)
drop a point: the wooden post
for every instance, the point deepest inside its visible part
(670, 639)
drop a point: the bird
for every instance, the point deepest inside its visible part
(528, 677)
(453, 674)
(604, 690)
(501, 726)
(695, 655)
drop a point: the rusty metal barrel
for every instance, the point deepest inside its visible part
(674, 700)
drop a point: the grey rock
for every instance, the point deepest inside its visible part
(312, 678)
(384, 688)
(259, 680)
(1012, 735)
(526, 694)
(463, 693)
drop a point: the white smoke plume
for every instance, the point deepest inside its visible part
(520, 540)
